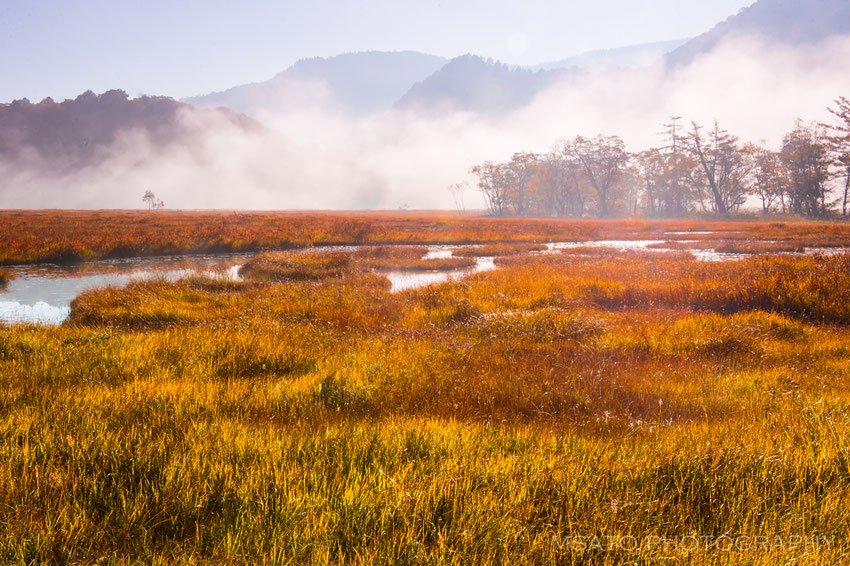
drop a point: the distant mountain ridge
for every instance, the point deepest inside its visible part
(471, 83)
(357, 83)
(792, 22)
(373, 81)
(79, 132)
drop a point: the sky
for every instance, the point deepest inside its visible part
(180, 48)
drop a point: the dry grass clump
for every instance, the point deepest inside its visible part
(759, 247)
(370, 253)
(142, 305)
(296, 266)
(220, 283)
(541, 325)
(407, 258)
(5, 277)
(496, 250)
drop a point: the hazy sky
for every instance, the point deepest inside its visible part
(60, 48)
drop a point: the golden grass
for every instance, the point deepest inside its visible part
(300, 418)
(5, 277)
(287, 266)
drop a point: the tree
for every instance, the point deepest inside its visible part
(524, 175)
(677, 168)
(723, 166)
(839, 143)
(768, 178)
(494, 184)
(153, 203)
(603, 162)
(650, 169)
(805, 155)
(561, 186)
(457, 190)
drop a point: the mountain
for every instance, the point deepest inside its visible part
(472, 83)
(628, 57)
(80, 132)
(794, 22)
(357, 83)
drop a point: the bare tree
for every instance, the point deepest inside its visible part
(723, 167)
(840, 145)
(153, 203)
(457, 190)
(494, 182)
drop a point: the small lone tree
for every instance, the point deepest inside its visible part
(153, 203)
(457, 193)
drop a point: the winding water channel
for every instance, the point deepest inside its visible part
(42, 294)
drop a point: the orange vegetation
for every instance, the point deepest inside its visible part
(68, 236)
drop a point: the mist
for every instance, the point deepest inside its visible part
(311, 155)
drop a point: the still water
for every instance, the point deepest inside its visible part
(42, 294)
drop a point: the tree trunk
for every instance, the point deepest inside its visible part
(719, 205)
(846, 190)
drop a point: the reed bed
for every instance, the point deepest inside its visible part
(299, 418)
(76, 236)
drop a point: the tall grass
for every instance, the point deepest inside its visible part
(322, 419)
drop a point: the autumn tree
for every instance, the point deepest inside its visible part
(723, 168)
(562, 186)
(768, 178)
(650, 169)
(523, 173)
(603, 162)
(805, 155)
(673, 190)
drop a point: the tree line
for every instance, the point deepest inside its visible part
(696, 170)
